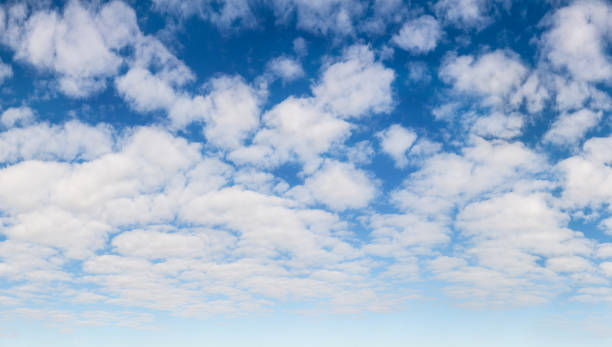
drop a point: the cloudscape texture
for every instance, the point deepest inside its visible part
(306, 173)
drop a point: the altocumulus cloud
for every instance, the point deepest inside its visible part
(236, 158)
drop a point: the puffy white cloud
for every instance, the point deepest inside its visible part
(586, 178)
(569, 264)
(16, 116)
(295, 128)
(151, 91)
(304, 128)
(286, 68)
(508, 234)
(30, 262)
(86, 45)
(498, 125)
(71, 141)
(506, 217)
(73, 206)
(493, 74)
(180, 233)
(160, 222)
(570, 128)
(446, 179)
(156, 244)
(527, 222)
(232, 111)
(150, 53)
(145, 91)
(80, 46)
(267, 225)
(341, 186)
(604, 250)
(464, 13)
(229, 110)
(359, 153)
(533, 93)
(420, 35)
(577, 40)
(56, 227)
(573, 95)
(403, 235)
(396, 141)
(357, 85)
(606, 267)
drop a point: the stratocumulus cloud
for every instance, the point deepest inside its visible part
(173, 163)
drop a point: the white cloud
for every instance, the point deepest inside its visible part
(159, 222)
(233, 241)
(286, 68)
(570, 128)
(232, 111)
(403, 235)
(577, 40)
(357, 85)
(527, 222)
(586, 178)
(84, 46)
(295, 128)
(229, 110)
(508, 234)
(604, 250)
(464, 13)
(569, 264)
(150, 53)
(359, 153)
(70, 141)
(573, 95)
(606, 225)
(82, 201)
(498, 125)
(446, 179)
(533, 93)
(145, 91)
(154, 244)
(420, 35)
(77, 44)
(606, 267)
(16, 116)
(396, 141)
(493, 74)
(341, 186)
(304, 128)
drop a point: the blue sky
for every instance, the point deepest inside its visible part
(288, 172)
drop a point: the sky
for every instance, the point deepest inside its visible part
(305, 173)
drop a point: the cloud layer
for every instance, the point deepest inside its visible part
(372, 148)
